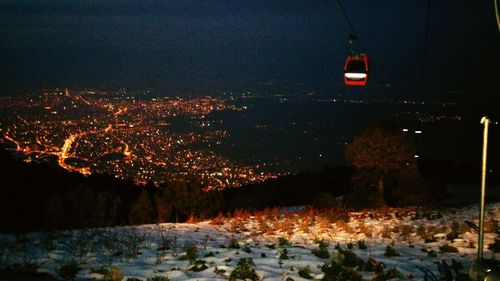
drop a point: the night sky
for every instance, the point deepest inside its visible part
(200, 47)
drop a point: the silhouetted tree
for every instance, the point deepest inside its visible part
(56, 212)
(163, 203)
(142, 210)
(382, 156)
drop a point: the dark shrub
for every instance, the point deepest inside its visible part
(244, 270)
(325, 201)
(68, 271)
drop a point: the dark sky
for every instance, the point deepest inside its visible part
(205, 46)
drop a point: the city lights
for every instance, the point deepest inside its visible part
(115, 134)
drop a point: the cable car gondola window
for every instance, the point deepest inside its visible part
(356, 66)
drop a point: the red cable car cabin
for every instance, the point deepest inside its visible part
(356, 70)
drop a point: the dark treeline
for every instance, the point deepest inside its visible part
(290, 190)
(41, 196)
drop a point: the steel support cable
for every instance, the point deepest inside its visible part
(496, 14)
(350, 24)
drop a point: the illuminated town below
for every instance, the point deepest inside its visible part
(116, 134)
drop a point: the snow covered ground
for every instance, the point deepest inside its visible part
(277, 245)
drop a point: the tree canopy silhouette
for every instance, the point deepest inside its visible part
(382, 157)
(382, 148)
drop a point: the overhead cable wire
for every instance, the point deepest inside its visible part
(426, 39)
(350, 24)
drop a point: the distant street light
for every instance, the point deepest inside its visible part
(406, 130)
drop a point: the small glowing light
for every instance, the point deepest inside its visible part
(416, 156)
(418, 132)
(405, 130)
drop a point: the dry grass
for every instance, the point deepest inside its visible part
(323, 223)
(386, 232)
(242, 214)
(236, 225)
(490, 226)
(367, 231)
(304, 225)
(218, 220)
(406, 231)
(329, 222)
(465, 228)
(421, 231)
(341, 225)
